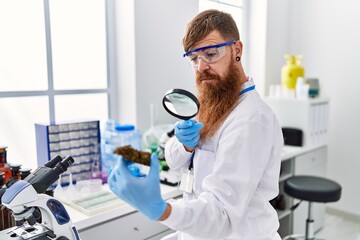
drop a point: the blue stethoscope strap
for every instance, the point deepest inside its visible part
(247, 89)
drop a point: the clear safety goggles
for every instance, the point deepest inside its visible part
(208, 54)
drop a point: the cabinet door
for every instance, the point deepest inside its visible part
(134, 226)
(161, 235)
(314, 164)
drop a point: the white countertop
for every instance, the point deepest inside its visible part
(292, 151)
(83, 221)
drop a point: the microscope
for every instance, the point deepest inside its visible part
(25, 197)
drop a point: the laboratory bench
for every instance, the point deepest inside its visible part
(125, 222)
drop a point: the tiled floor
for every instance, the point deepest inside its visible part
(338, 228)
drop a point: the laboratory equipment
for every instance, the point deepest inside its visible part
(77, 139)
(24, 197)
(24, 172)
(301, 89)
(181, 104)
(314, 87)
(4, 166)
(291, 71)
(116, 135)
(162, 141)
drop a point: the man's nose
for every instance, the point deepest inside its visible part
(202, 65)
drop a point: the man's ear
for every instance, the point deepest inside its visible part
(238, 48)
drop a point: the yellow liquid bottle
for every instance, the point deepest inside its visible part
(291, 71)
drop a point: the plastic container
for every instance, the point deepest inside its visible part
(127, 135)
(302, 89)
(107, 147)
(116, 135)
(291, 71)
(87, 187)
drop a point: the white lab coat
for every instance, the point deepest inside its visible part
(236, 174)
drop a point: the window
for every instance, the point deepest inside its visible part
(53, 68)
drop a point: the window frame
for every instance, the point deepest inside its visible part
(110, 90)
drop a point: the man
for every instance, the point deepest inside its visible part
(232, 152)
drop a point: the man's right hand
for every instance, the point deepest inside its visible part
(187, 132)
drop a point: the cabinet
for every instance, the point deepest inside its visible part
(311, 116)
(310, 162)
(133, 226)
(285, 215)
(122, 222)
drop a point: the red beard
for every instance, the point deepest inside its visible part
(217, 99)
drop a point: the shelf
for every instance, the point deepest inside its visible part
(283, 213)
(284, 177)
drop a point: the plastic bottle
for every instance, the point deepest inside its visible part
(291, 71)
(302, 89)
(128, 135)
(108, 160)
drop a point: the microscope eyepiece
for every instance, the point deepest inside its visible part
(52, 163)
(62, 166)
(43, 177)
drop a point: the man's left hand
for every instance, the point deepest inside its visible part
(141, 193)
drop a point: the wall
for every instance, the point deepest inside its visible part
(149, 57)
(255, 46)
(159, 28)
(277, 40)
(326, 34)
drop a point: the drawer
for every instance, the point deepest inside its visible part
(134, 226)
(312, 163)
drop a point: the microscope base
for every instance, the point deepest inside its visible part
(28, 232)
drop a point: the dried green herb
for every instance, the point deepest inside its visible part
(133, 155)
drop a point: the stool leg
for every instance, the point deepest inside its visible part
(309, 234)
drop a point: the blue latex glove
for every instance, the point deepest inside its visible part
(141, 193)
(187, 132)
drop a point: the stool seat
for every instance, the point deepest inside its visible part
(313, 189)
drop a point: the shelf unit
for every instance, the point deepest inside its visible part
(283, 210)
(310, 115)
(308, 163)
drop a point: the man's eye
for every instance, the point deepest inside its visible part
(193, 58)
(211, 55)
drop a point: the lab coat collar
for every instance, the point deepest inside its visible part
(247, 86)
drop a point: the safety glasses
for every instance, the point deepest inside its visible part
(208, 54)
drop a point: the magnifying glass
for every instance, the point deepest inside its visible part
(181, 104)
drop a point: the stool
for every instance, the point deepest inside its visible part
(311, 189)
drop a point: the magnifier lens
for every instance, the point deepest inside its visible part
(181, 103)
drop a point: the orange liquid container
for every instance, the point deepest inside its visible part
(4, 167)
